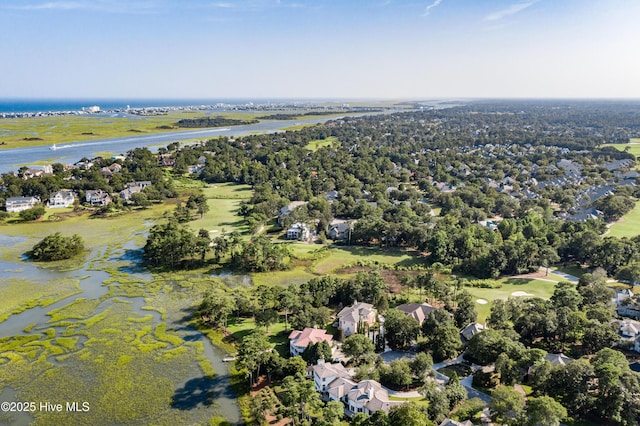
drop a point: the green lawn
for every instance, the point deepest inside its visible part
(633, 149)
(343, 256)
(227, 190)
(574, 270)
(629, 224)
(297, 275)
(224, 202)
(421, 401)
(319, 143)
(533, 287)
(240, 327)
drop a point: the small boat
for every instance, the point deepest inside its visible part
(53, 147)
(228, 358)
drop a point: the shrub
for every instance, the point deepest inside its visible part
(56, 247)
(32, 213)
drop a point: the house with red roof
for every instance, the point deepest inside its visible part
(299, 340)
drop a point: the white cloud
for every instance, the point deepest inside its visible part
(111, 6)
(427, 10)
(509, 11)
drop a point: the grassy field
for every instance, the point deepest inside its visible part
(343, 256)
(240, 327)
(319, 143)
(224, 201)
(633, 149)
(534, 287)
(628, 225)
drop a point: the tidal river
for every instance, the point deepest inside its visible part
(12, 159)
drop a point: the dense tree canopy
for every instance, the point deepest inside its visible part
(57, 247)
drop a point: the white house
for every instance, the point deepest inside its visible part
(298, 231)
(299, 340)
(324, 373)
(367, 396)
(360, 314)
(18, 204)
(62, 198)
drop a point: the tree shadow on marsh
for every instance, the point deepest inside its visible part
(201, 392)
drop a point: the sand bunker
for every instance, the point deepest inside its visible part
(482, 301)
(521, 293)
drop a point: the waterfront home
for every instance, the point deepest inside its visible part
(98, 197)
(18, 204)
(62, 198)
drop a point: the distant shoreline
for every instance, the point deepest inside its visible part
(17, 108)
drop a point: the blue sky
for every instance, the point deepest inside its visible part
(319, 49)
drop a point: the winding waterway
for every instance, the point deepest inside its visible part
(71, 152)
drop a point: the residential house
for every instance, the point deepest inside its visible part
(299, 340)
(359, 315)
(417, 311)
(133, 188)
(84, 165)
(195, 168)
(62, 198)
(558, 359)
(324, 373)
(109, 171)
(288, 209)
(332, 195)
(367, 396)
(471, 330)
(636, 345)
(18, 204)
(449, 422)
(628, 328)
(298, 231)
(338, 230)
(98, 197)
(32, 173)
(166, 160)
(628, 306)
(139, 183)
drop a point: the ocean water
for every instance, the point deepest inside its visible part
(56, 105)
